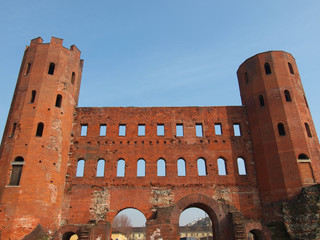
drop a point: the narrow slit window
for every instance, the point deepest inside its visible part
(14, 126)
(40, 129)
(141, 130)
(246, 77)
(305, 100)
(222, 169)
(218, 128)
(281, 129)
(73, 77)
(308, 130)
(181, 165)
(267, 68)
(160, 129)
(58, 101)
(84, 130)
(287, 95)
(16, 171)
(199, 130)
(241, 166)
(51, 68)
(236, 130)
(261, 100)
(103, 129)
(121, 168)
(33, 96)
(28, 69)
(122, 129)
(179, 130)
(141, 168)
(80, 168)
(202, 167)
(290, 68)
(100, 167)
(161, 168)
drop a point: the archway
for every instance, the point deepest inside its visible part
(256, 234)
(129, 224)
(70, 236)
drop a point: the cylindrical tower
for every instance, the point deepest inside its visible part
(285, 144)
(36, 140)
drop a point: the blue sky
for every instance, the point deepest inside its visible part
(163, 53)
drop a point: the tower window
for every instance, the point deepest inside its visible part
(261, 100)
(287, 95)
(16, 172)
(14, 126)
(267, 68)
(73, 77)
(308, 130)
(305, 100)
(40, 129)
(28, 69)
(246, 77)
(33, 96)
(51, 68)
(290, 68)
(58, 101)
(281, 130)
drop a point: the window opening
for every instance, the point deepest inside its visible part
(287, 95)
(202, 167)
(290, 68)
(261, 100)
(84, 130)
(305, 100)
(121, 168)
(73, 77)
(40, 129)
(141, 168)
(308, 130)
(222, 170)
(122, 129)
(14, 126)
(141, 130)
(199, 130)
(80, 168)
(218, 128)
(100, 167)
(51, 68)
(303, 156)
(28, 69)
(241, 166)
(236, 130)
(267, 68)
(179, 130)
(33, 96)
(181, 164)
(161, 168)
(281, 129)
(246, 77)
(16, 171)
(58, 101)
(103, 130)
(160, 129)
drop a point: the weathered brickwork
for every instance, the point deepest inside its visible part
(66, 169)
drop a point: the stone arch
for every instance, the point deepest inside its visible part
(66, 230)
(260, 232)
(218, 216)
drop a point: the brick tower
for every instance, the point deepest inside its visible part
(36, 140)
(285, 144)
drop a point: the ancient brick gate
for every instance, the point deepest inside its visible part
(67, 169)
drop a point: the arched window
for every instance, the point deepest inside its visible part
(241, 166)
(100, 168)
(16, 171)
(308, 130)
(281, 129)
(287, 95)
(161, 168)
(181, 164)
(80, 168)
(121, 168)
(33, 96)
(73, 77)
(40, 129)
(303, 156)
(261, 100)
(267, 68)
(51, 68)
(202, 167)
(58, 101)
(141, 168)
(222, 170)
(290, 68)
